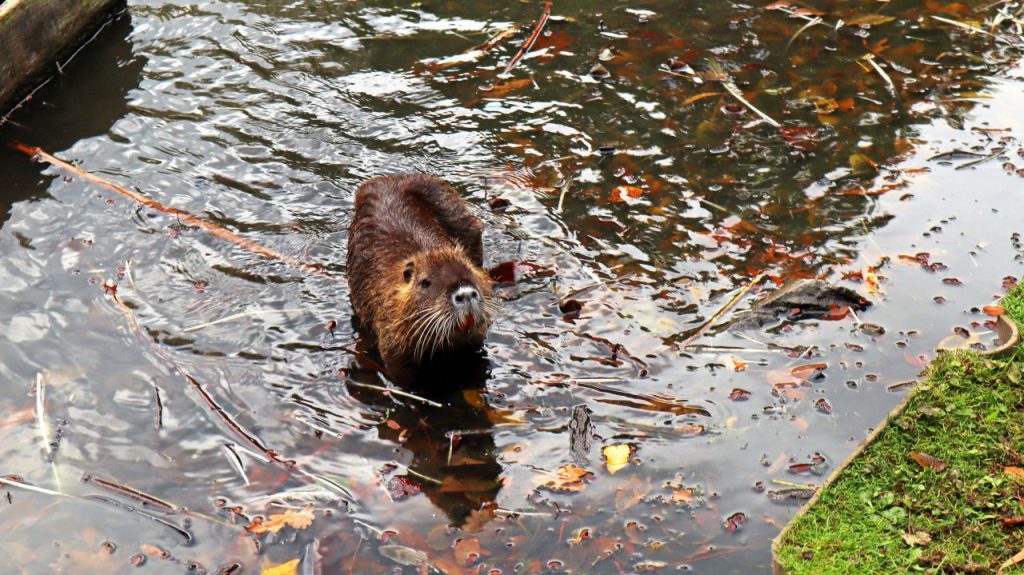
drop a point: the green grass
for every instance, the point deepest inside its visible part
(968, 413)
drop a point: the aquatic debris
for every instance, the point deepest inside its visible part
(811, 297)
(533, 38)
(795, 494)
(294, 518)
(215, 229)
(728, 306)
(404, 555)
(570, 478)
(730, 87)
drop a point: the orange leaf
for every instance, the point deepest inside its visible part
(569, 478)
(682, 495)
(625, 193)
(735, 363)
(927, 461)
(297, 518)
(994, 310)
(1014, 472)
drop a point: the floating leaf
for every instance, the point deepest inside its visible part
(738, 394)
(289, 568)
(735, 522)
(504, 273)
(994, 310)
(870, 20)
(736, 364)
(616, 457)
(683, 496)
(296, 518)
(569, 478)
(624, 194)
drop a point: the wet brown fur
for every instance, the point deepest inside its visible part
(410, 231)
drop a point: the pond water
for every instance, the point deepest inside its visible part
(636, 186)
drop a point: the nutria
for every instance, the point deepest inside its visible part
(414, 270)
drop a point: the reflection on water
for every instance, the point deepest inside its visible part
(634, 200)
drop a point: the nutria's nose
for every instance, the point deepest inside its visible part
(465, 295)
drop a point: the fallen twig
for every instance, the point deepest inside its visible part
(810, 24)
(730, 87)
(240, 315)
(728, 306)
(250, 442)
(44, 428)
(399, 392)
(565, 189)
(870, 59)
(794, 485)
(971, 28)
(533, 38)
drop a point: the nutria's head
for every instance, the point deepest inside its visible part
(443, 302)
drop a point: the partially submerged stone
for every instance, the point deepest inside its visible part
(799, 299)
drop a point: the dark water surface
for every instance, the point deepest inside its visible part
(264, 116)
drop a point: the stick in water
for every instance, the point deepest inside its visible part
(730, 87)
(728, 306)
(218, 231)
(533, 38)
(44, 429)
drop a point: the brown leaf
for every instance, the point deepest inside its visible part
(917, 538)
(927, 461)
(296, 518)
(1014, 472)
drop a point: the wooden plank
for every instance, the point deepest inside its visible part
(35, 34)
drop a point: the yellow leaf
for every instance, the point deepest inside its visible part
(289, 568)
(297, 518)
(616, 457)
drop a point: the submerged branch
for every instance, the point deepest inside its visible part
(533, 38)
(216, 230)
(728, 306)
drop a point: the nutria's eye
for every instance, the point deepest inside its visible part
(407, 274)
(424, 284)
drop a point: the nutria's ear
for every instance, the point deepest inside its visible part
(407, 274)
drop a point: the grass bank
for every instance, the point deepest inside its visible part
(941, 488)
